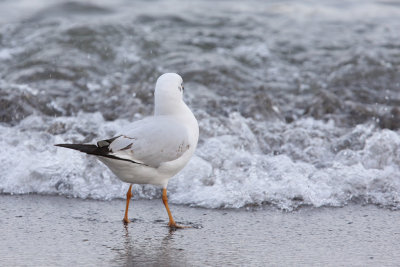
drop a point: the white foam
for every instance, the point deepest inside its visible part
(310, 163)
(308, 170)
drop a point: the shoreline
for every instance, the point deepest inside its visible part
(58, 231)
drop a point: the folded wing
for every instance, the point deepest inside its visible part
(151, 141)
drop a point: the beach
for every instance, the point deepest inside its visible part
(297, 102)
(58, 231)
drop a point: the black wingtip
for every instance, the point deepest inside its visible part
(95, 150)
(61, 145)
(89, 149)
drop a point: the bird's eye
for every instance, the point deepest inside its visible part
(181, 88)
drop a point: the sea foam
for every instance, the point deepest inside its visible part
(309, 163)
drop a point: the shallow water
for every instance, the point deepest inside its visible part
(55, 231)
(298, 102)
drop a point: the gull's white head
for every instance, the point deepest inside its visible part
(168, 96)
(169, 86)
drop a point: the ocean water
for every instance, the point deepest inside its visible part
(298, 101)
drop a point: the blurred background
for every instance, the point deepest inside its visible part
(298, 101)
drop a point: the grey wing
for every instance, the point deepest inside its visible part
(152, 141)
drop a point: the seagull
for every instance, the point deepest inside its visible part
(154, 149)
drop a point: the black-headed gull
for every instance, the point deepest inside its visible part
(154, 149)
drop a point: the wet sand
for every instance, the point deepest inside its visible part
(57, 231)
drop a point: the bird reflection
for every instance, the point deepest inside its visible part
(156, 250)
(128, 246)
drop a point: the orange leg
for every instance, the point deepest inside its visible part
(128, 198)
(172, 223)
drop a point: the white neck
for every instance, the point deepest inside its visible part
(169, 107)
(179, 110)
